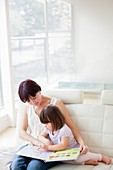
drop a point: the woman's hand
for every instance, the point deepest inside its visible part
(84, 149)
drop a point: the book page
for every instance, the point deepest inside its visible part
(33, 152)
(67, 154)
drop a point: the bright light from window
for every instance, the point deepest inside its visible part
(41, 40)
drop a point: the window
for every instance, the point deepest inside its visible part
(41, 40)
(1, 97)
(39, 46)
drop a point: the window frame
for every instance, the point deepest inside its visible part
(7, 112)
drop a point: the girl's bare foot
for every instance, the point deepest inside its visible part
(106, 160)
(91, 162)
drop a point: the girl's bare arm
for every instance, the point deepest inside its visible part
(63, 145)
(44, 138)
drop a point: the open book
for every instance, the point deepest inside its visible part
(49, 156)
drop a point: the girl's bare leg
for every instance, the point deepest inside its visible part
(91, 162)
(106, 159)
(91, 159)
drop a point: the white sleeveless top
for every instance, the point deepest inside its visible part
(34, 124)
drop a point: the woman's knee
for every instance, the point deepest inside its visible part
(19, 163)
(38, 164)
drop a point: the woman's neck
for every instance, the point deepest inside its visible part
(45, 100)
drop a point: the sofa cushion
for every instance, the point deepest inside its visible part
(6, 155)
(107, 97)
(66, 95)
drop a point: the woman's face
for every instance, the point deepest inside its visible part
(35, 101)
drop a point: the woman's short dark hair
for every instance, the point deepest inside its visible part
(28, 88)
(52, 114)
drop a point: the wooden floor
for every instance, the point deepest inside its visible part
(7, 137)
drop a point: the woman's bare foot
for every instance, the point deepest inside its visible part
(91, 162)
(106, 159)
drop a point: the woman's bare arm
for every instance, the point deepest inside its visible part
(22, 128)
(72, 126)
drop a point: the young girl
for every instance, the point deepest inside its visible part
(61, 137)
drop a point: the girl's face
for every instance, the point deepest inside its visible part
(49, 126)
(35, 101)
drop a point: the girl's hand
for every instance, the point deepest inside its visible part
(84, 149)
(43, 146)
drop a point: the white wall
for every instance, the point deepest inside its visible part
(93, 40)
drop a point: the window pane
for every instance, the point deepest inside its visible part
(59, 15)
(28, 40)
(60, 40)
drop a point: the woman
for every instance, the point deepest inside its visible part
(30, 126)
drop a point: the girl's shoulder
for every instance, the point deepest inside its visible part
(65, 131)
(65, 128)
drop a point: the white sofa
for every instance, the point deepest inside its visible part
(95, 122)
